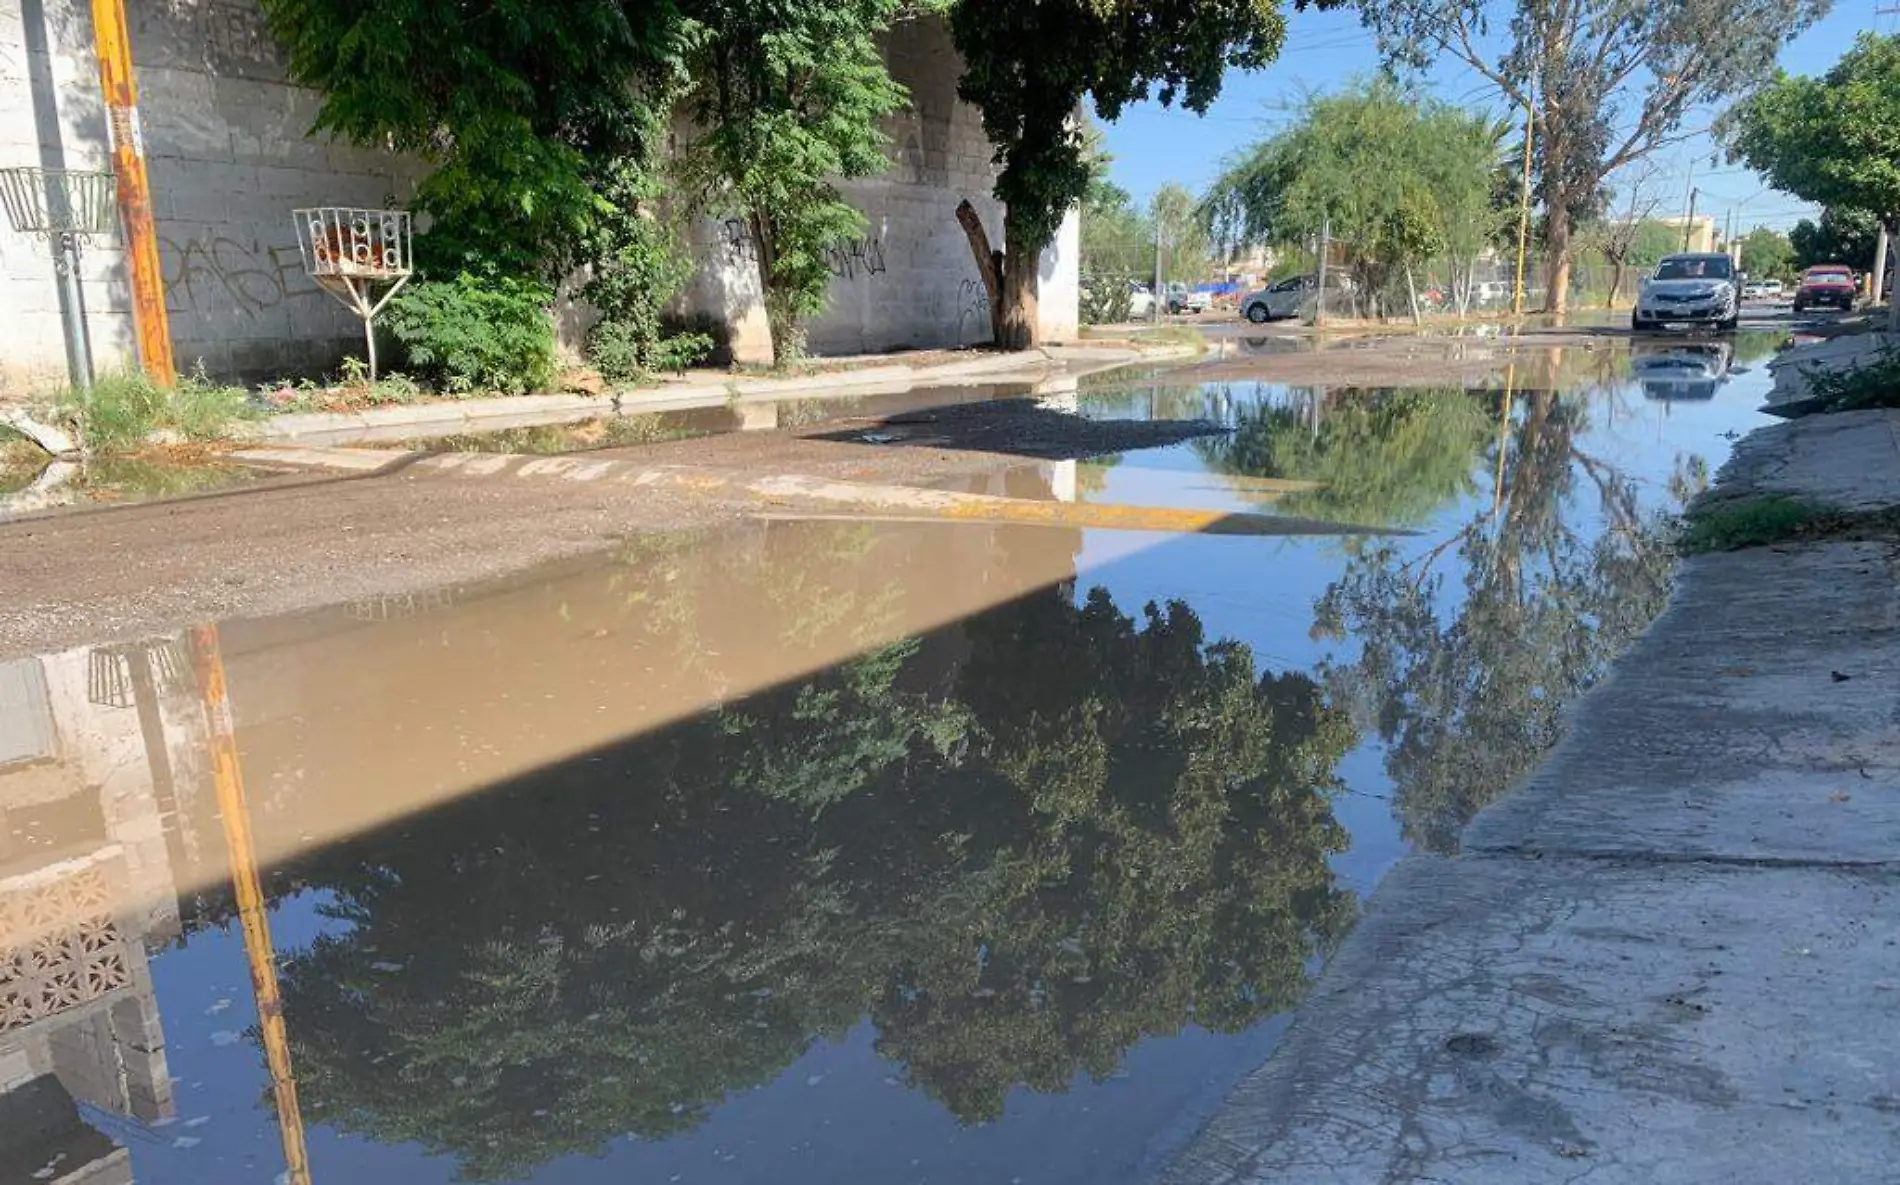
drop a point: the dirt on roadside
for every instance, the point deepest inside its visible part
(100, 575)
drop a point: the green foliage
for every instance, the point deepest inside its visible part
(1650, 241)
(636, 269)
(1872, 384)
(125, 408)
(1830, 139)
(1187, 253)
(1028, 68)
(1767, 254)
(790, 96)
(1733, 524)
(513, 109)
(1842, 236)
(1105, 300)
(475, 334)
(1399, 176)
(1609, 82)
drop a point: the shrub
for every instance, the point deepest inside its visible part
(1753, 522)
(637, 270)
(476, 334)
(1106, 300)
(125, 408)
(1874, 384)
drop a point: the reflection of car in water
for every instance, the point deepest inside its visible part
(1681, 370)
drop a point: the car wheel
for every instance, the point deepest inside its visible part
(1729, 325)
(1639, 323)
(1257, 313)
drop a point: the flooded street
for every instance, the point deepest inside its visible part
(812, 851)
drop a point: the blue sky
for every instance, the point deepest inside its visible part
(1153, 145)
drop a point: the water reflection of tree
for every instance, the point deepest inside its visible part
(1020, 844)
(1466, 685)
(1381, 457)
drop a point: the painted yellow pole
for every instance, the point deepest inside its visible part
(1523, 215)
(227, 777)
(114, 48)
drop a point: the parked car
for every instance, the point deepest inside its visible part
(1692, 288)
(1278, 301)
(1774, 289)
(1829, 285)
(1182, 299)
(1141, 302)
(1755, 290)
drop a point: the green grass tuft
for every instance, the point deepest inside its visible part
(124, 409)
(1876, 384)
(1754, 522)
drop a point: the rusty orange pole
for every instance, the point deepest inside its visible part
(114, 47)
(227, 778)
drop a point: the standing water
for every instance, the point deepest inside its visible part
(814, 851)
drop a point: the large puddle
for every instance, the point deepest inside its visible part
(810, 851)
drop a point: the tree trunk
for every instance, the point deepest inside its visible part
(989, 264)
(1019, 328)
(1557, 247)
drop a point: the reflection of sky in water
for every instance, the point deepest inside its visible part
(840, 1112)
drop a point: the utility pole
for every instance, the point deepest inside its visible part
(1160, 295)
(113, 44)
(1688, 224)
(1325, 248)
(1523, 214)
(1879, 279)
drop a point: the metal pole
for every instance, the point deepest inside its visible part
(114, 48)
(1325, 249)
(227, 777)
(1524, 213)
(1155, 312)
(1879, 280)
(1688, 224)
(78, 343)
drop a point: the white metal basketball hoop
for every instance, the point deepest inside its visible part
(359, 256)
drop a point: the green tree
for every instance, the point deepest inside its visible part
(1397, 176)
(1609, 82)
(1767, 254)
(1187, 253)
(1829, 140)
(1028, 67)
(518, 112)
(789, 97)
(1842, 236)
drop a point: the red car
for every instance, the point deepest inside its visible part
(1827, 285)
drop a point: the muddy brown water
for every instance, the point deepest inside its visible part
(812, 851)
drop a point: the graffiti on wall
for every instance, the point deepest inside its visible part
(740, 249)
(857, 258)
(973, 312)
(216, 272)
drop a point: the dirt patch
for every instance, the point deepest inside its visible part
(97, 575)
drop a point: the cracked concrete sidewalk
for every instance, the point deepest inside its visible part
(1673, 954)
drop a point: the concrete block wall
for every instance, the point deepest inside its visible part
(910, 282)
(229, 158)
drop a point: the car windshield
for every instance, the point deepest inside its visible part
(1827, 276)
(1715, 267)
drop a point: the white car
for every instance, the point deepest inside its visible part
(1681, 370)
(1699, 288)
(1278, 301)
(1182, 299)
(1141, 302)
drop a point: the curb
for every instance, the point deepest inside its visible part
(449, 418)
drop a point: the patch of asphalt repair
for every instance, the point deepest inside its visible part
(1673, 954)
